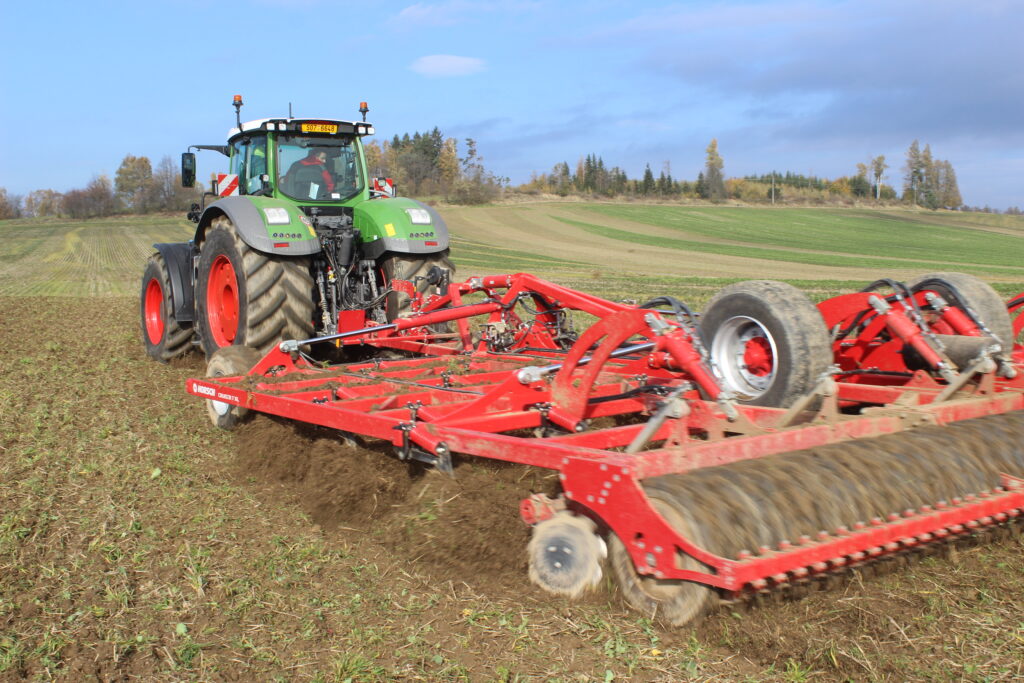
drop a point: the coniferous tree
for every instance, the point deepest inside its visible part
(913, 178)
(929, 196)
(701, 187)
(713, 178)
(948, 190)
(647, 185)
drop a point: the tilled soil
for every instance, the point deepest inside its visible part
(463, 527)
(138, 543)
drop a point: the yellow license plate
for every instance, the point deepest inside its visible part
(320, 128)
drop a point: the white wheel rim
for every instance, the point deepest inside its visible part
(220, 407)
(730, 351)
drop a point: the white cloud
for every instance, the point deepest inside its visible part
(441, 66)
(452, 12)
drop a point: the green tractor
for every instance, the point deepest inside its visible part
(299, 242)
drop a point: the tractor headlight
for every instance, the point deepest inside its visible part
(418, 216)
(276, 215)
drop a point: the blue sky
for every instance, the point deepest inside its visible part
(811, 86)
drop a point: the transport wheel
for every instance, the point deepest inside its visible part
(229, 361)
(163, 336)
(416, 269)
(565, 554)
(966, 291)
(675, 602)
(767, 340)
(247, 298)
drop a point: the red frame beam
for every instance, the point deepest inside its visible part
(424, 403)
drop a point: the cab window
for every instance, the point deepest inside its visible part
(249, 161)
(318, 167)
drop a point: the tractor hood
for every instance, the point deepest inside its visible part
(266, 224)
(401, 225)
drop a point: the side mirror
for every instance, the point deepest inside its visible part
(188, 169)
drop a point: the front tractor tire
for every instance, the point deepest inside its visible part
(245, 297)
(163, 337)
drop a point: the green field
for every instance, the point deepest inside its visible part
(823, 251)
(81, 258)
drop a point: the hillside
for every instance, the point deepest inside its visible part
(608, 249)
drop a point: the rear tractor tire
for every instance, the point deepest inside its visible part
(245, 297)
(767, 341)
(416, 269)
(229, 361)
(163, 336)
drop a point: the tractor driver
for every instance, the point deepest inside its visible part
(305, 177)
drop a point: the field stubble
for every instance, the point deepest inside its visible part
(138, 542)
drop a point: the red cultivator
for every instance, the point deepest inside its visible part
(729, 453)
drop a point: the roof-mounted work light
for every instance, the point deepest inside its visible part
(237, 104)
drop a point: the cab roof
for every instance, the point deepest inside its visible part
(294, 124)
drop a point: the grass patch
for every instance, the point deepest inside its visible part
(887, 235)
(789, 256)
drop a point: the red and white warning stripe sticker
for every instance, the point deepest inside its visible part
(227, 184)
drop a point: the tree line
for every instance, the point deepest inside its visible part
(424, 164)
(928, 182)
(428, 164)
(136, 188)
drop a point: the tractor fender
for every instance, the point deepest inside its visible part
(178, 256)
(249, 215)
(386, 225)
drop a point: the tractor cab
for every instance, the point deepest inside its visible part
(304, 160)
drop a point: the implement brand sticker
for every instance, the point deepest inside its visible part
(389, 228)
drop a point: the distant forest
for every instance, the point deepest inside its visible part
(429, 165)
(927, 182)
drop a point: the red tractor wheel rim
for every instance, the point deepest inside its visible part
(757, 356)
(222, 301)
(153, 311)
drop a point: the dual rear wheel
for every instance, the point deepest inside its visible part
(162, 335)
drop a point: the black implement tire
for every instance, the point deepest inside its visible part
(163, 336)
(229, 361)
(412, 267)
(245, 297)
(962, 290)
(768, 340)
(674, 602)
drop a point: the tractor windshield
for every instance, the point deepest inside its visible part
(318, 168)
